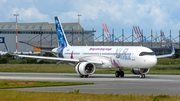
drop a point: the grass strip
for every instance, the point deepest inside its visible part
(52, 68)
(76, 96)
(4, 84)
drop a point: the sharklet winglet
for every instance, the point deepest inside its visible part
(172, 48)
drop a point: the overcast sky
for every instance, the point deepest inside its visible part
(117, 14)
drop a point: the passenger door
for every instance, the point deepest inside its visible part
(133, 55)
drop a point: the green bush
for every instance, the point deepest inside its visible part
(168, 61)
(48, 54)
(7, 55)
(31, 60)
(4, 60)
(34, 61)
(7, 58)
(176, 55)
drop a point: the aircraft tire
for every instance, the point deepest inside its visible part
(122, 74)
(86, 76)
(142, 76)
(117, 73)
(81, 76)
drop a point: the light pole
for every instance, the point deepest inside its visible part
(78, 25)
(16, 30)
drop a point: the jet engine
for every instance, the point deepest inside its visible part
(140, 71)
(85, 68)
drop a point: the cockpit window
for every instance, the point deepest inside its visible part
(146, 53)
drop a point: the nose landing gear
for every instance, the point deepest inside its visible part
(142, 76)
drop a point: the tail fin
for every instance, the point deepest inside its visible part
(2, 40)
(37, 49)
(60, 32)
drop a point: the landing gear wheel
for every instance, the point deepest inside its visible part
(122, 74)
(117, 74)
(142, 76)
(86, 76)
(81, 76)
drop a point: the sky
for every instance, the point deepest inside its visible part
(117, 14)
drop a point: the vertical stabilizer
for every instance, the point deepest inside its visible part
(37, 49)
(61, 37)
(60, 32)
(2, 40)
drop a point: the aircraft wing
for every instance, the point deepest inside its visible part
(59, 59)
(168, 55)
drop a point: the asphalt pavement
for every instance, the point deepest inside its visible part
(103, 83)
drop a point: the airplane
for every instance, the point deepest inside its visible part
(2, 40)
(3, 53)
(87, 59)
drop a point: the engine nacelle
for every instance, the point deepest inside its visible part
(85, 68)
(140, 71)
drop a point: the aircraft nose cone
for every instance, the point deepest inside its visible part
(152, 61)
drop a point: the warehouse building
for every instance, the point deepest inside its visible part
(42, 35)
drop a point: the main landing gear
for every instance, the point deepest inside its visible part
(119, 73)
(81, 76)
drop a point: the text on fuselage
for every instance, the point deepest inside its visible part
(124, 55)
(102, 49)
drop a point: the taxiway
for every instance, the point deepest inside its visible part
(103, 83)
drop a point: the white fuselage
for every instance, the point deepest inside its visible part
(112, 56)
